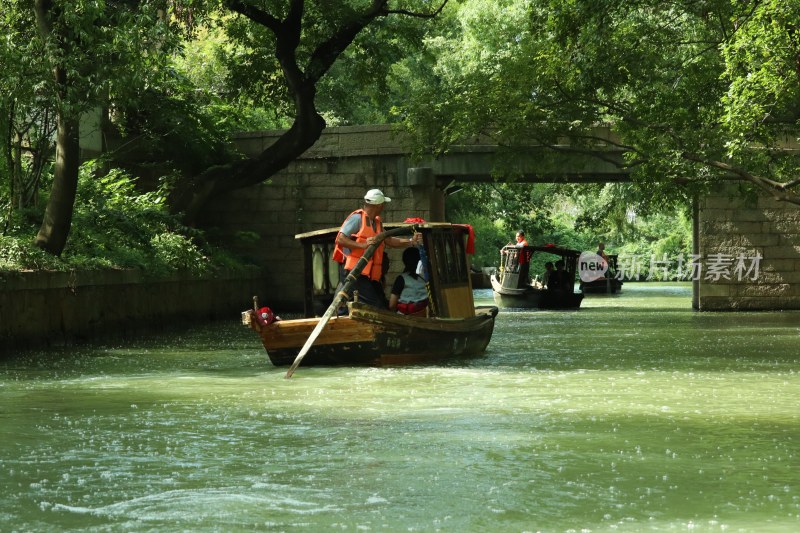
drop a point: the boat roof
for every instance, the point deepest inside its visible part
(549, 248)
(330, 232)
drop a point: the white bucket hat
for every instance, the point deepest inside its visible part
(375, 197)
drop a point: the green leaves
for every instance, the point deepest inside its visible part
(718, 79)
(114, 226)
(762, 60)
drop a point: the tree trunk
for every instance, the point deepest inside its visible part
(52, 236)
(53, 233)
(192, 195)
(17, 187)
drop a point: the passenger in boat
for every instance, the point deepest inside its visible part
(557, 281)
(409, 293)
(357, 233)
(548, 271)
(601, 251)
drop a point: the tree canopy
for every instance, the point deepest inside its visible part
(297, 43)
(694, 91)
(77, 55)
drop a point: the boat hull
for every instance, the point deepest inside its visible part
(375, 337)
(602, 286)
(532, 298)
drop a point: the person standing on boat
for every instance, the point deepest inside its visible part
(409, 292)
(523, 260)
(360, 230)
(601, 251)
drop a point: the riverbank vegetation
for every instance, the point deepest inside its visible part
(115, 226)
(679, 96)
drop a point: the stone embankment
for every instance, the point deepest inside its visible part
(40, 309)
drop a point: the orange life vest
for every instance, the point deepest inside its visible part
(373, 270)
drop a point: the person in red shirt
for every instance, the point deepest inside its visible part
(521, 239)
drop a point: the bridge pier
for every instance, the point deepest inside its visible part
(755, 232)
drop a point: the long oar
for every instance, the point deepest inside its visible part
(342, 295)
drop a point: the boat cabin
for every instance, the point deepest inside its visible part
(444, 256)
(516, 261)
(610, 283)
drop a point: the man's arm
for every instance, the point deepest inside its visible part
(391, 242)
(396, 242)
(350, 227)
(347, 242)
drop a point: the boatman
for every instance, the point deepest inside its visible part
(521, 239)
(357, 233)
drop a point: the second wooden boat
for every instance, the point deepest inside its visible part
(513, 286)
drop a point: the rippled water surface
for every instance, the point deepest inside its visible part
(633, 414)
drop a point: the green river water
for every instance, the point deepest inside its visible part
(633, 414)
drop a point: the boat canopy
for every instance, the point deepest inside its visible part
(515, 262)
(445, 247)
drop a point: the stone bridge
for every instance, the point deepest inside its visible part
(319, 189)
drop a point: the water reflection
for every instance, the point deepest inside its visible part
(632, 414)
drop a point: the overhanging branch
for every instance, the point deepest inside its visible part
(778, 190)
(255, 14)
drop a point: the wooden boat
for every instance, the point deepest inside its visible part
(608, 284)
(453, 327)
(512, 285)
(481, 279)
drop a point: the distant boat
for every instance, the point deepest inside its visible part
(452, 328)
(512, 285)
(482, 278)
(609, 284)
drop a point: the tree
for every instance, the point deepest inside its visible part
(694, 92)
(27, 121)
(119, 55)
(70, 56)
(305, 39)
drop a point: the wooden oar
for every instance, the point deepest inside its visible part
(342, 295)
